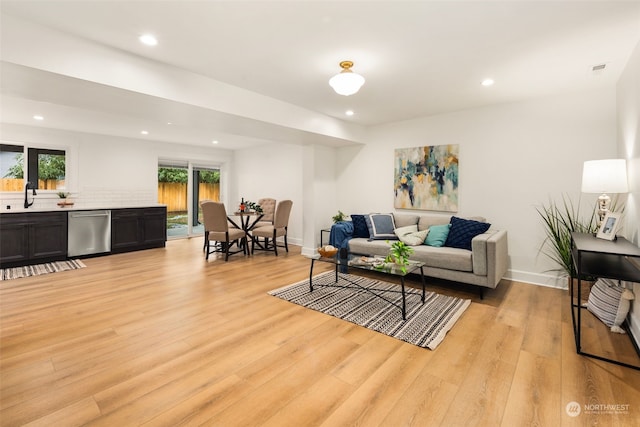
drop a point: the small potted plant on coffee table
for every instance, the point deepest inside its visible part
(399, 254)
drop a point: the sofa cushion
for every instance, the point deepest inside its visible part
(437, 235)
(360, 228)
(381, 226)
(444, 258)
(410, 235)
(369, 247)
(463, 231)
(402, 220)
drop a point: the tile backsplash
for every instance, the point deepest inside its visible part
(88, 198)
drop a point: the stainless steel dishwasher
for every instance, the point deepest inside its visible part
(89, 232)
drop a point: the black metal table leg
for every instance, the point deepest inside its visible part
(422, 277)
(404, 306)
(311, 276)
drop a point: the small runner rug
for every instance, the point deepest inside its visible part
(426, 324)
(36, 270)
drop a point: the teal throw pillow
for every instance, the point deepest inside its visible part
(437, 235)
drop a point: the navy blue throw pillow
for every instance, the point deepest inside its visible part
(360, 228)
(462, 231)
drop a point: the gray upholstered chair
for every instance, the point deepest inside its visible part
(268, 206)
(216, 229)
(277, 229)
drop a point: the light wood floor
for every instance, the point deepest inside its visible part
(163, 338)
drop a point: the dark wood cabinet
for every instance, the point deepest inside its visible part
(134, 229)
(34, 237)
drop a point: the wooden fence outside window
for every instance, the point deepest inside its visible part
(17, 184)
(174, 195)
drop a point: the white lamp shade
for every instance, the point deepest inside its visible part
(346, 82)
(605, 176)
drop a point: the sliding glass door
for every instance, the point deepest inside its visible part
(182, 186)
(206, 187)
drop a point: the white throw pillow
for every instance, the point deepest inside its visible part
(410, 235)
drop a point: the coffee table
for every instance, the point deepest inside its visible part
(358, 262)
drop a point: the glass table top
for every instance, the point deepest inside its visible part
(372, 263)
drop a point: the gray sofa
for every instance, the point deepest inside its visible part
(484, 265)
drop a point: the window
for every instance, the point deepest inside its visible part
(11, 167)
(46, 168)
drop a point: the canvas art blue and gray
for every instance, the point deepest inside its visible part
(426, 178)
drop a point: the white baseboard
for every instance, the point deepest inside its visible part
(308, 251)
(549, 280)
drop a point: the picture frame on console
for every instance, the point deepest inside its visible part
(610, 224)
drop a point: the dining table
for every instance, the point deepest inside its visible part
(248, 220)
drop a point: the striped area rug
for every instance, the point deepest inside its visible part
(38, 269)
(426, 325)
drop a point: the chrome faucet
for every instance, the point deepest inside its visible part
(26, 188)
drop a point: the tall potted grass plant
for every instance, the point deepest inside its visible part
(560, 219)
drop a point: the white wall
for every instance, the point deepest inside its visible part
(106, 171)
(628, 102)
(302, 173)
(513, 157)
(274, 171)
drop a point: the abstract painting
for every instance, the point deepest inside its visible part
(426, 178)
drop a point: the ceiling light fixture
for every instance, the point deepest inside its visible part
(487, 82)
(38, 117)
(349, 112)
(144, 132)
(148, 39)
(346, 82)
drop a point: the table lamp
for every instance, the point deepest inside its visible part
(604, 176)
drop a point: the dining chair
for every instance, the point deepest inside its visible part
(275, 230)
(216, 228)
(268, 206)
(204, 246)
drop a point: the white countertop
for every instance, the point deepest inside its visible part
(75, 207)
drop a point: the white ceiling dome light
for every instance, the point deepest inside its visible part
(148, 39)
(346, 82)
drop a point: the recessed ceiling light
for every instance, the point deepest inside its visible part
(169, 123)
(215, 141)
(487, 82)
(349, 112)
(148, 39)
(38, 117)
(144, 132)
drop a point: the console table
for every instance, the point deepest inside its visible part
(601, 258)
